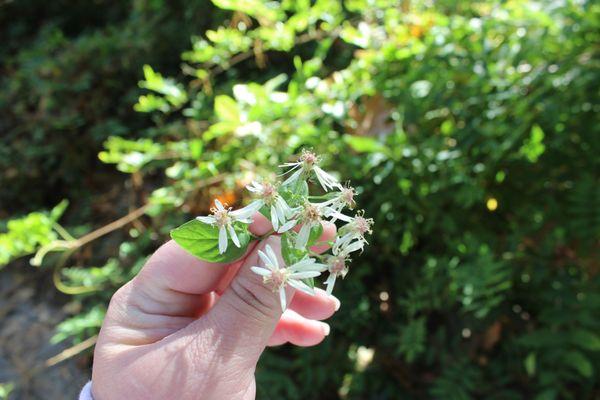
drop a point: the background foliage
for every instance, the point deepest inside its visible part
(470, 129)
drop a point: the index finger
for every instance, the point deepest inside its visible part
(173, 268)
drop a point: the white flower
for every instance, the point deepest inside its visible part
(352, 234)
(337, 266)
(343, 198)
(309, 162)
(224, 219)
(310, 216)
(280, 210)
(277, 278)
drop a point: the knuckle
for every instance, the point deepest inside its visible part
(120, 296)
(254, 298)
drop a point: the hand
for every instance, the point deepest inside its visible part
(187, 329)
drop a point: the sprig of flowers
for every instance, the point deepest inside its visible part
(297, 216)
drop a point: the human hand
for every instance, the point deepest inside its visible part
(187, 329)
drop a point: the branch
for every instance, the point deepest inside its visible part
(71, 351)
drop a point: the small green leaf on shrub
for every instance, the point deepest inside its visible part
(227, 109)
(364, 144)
(585, 339)
(580, 363)
(530, 363)
(534, 147)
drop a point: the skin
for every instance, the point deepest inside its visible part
(187, 329)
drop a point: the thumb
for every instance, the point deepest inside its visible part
(248, 312)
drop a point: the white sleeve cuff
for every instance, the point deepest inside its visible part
(86, 392)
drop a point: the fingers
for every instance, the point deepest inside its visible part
(298, 324)
(247, 313)
(329, 231)
(172, 268)
(320, 306)
(260, 225)
(296, 329)
(172, 280)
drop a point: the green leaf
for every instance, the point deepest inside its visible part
(580, 363)
(59, 210)
(295, 195)
(173, 92)
(530, 363)
(289, 252)
(534, 147)
(292, 255)
(585, 339)
(202, 241)
(266, 211)
(227, 109)
(315, 234)
(266, 12)
(310, 282)
(364, 144)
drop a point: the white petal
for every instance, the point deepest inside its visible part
(274, 218)
(302, 264)
(255, 187)
(287, 210)
(330, 282)
(282, 299)
(287, 226)
(293, 178)
(305, 274)
(272, 256)
(234, 236)
(280, 212)
(328, 202)
(248, 211)
(311, 267)
(355, 246)
(265, 259)
(260, 271)
(219, 204)
(341, 242)
(326, 180)
(294, 165)
(301, 286)
(303, 236)
(207, 220)
(330, 212)
(222, 240)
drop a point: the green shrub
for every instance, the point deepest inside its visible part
(67, 84)
(471, 129)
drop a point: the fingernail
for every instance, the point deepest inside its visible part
(326, 328)
(337, 303)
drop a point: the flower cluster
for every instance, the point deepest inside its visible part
(297, 216)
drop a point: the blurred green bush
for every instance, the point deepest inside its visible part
(67, 83)
(471, 130)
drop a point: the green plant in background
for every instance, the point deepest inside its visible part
(27, 235)
(470, 130)
(5, 390)
(66, 86)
